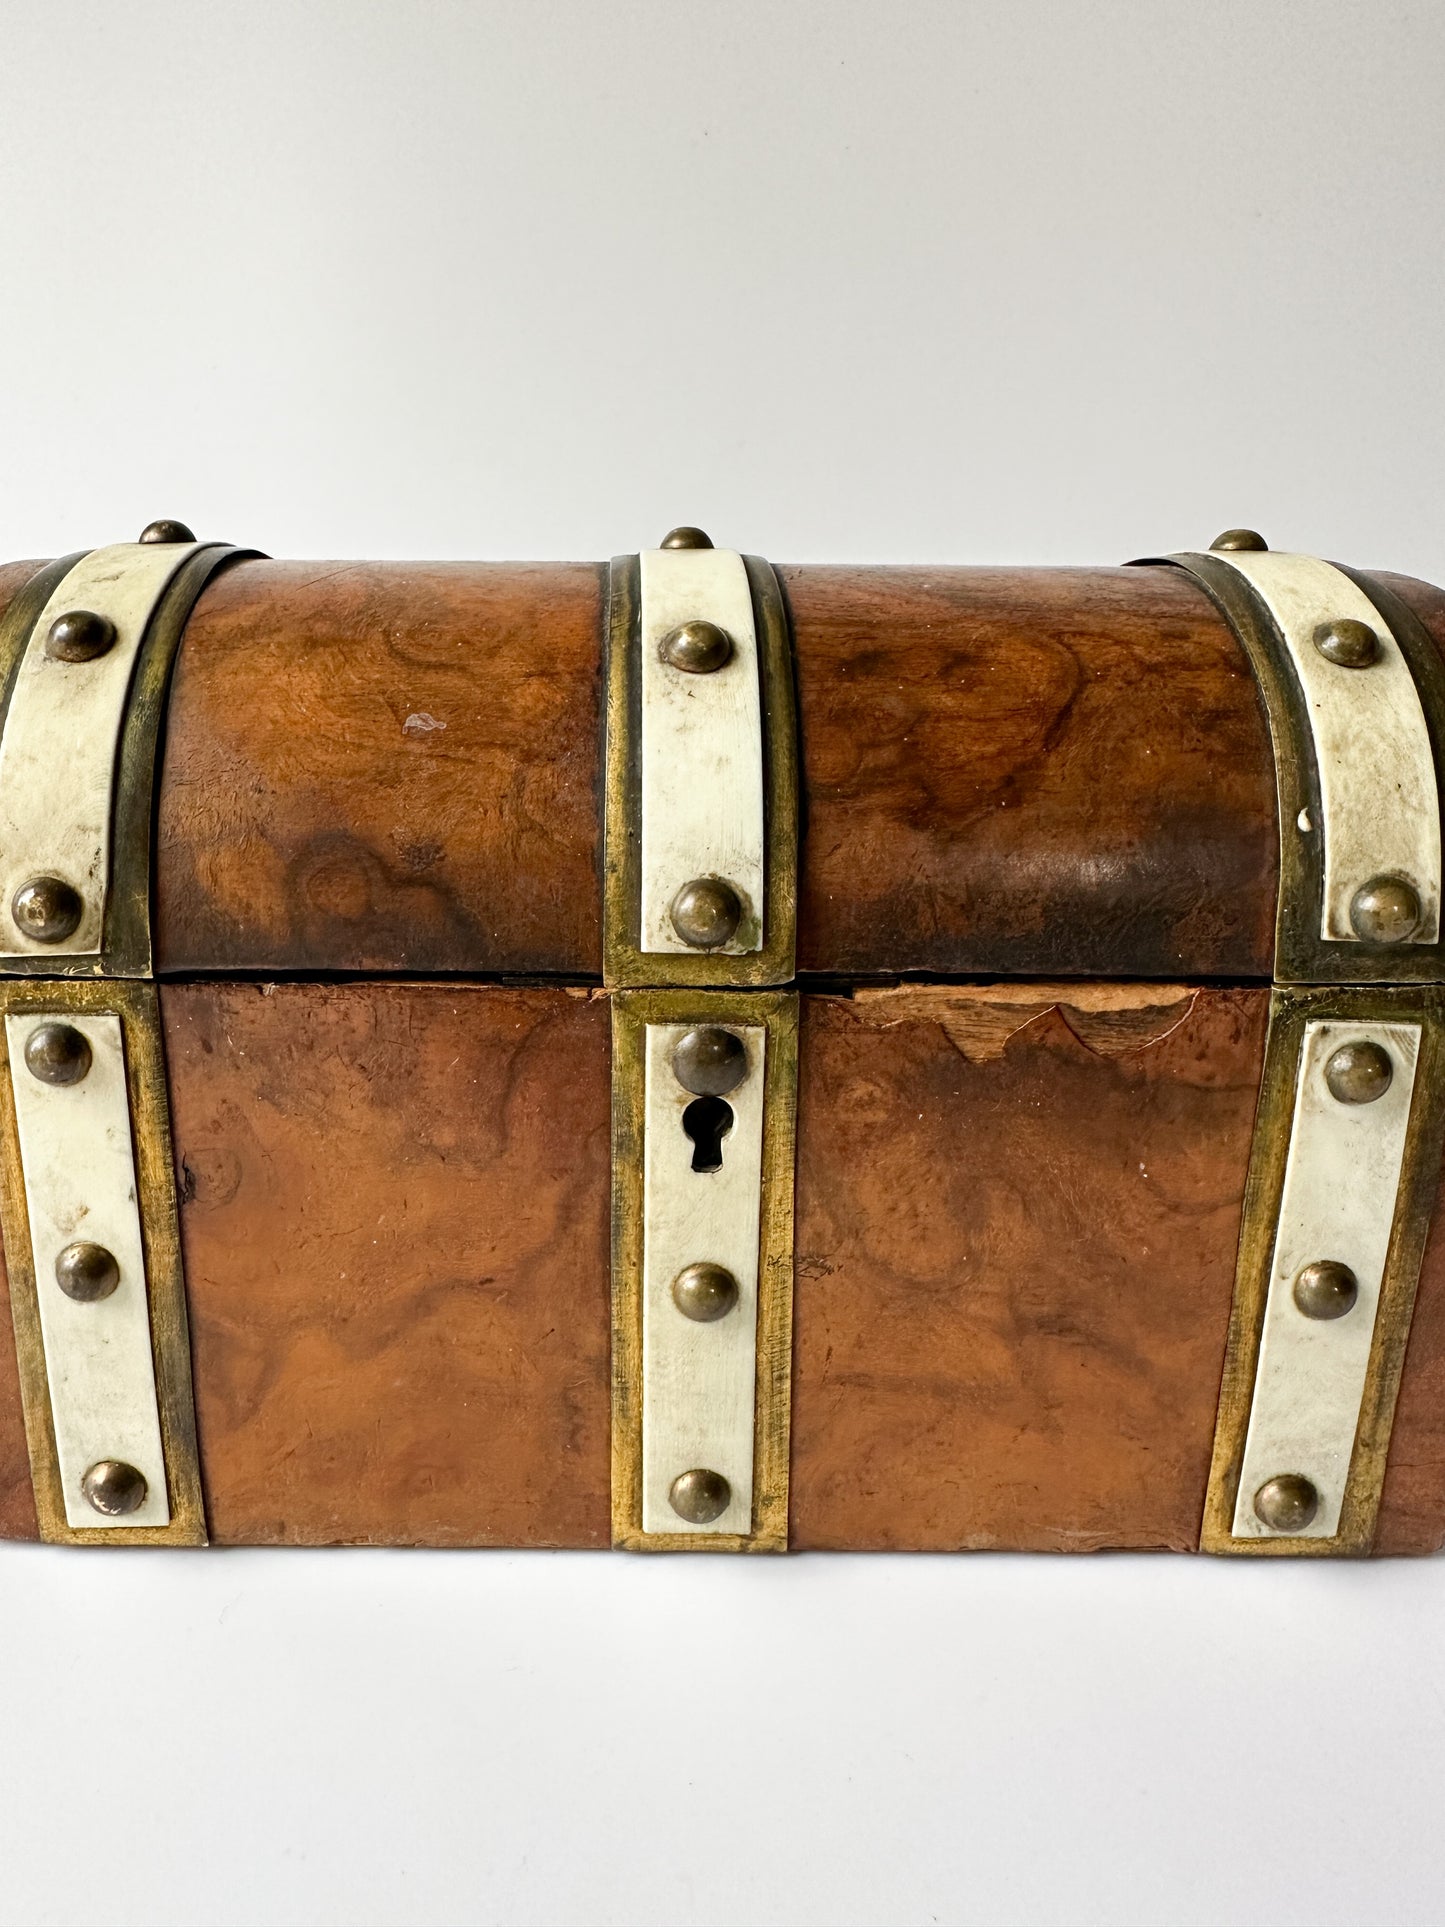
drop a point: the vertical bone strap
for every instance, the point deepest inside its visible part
(93, 1256)
(704, 1095)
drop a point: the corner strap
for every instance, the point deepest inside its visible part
(699, 917)
(87, 1182)
(1345, 1164)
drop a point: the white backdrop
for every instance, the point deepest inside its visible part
(1022, 282)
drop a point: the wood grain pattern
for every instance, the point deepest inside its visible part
(1046, 772)
(18, 1517)
(394, 1217)
(1029, 772)
(385, 767)
(1015, 1264)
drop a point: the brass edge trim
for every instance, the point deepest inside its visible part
(1290, 1010)
(632, 1011)
(138, 1008)
(624, 966)
(126, 948)
(1302, 956)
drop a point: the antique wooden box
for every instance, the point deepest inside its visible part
(701, 1055)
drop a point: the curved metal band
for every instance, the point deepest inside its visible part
(1357, 759)
(78, 746)
(701, 772)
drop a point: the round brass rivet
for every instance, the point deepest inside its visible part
(1286, 1503)
(1359, 1073)
(705, 1292)
(166, 531)
(1326, 1289)
(1385, 910)
(706, 913)
(46, 909)
(710, 1061)
(57, 1054)
(699, 1496)
(1240, 539)
(1347, 643)
(685, 538)
(114, 1488)
(698, 647)
(87, 1272)
(80, 635)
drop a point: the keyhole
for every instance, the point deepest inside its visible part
(707, 1121)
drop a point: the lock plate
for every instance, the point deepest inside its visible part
(702, 1394)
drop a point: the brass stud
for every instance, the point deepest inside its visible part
(114, 1488)
(705, 1292)
(80, 635)
(1286, 1503)
(1385, 910)
(1326, 1289)
(1347, 643)
(87, 1272)
(699, 1496)
(47, 909)
(686, 538)
(1359, 1073)
(706, 913)
(57, 1054)
(166, 531)
(1240, 539)
(698, 647)
(710, 1061)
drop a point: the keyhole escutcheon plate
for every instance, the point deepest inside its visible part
(702, 1179)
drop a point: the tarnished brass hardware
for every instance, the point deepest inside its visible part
(698, 647)
(1385, 910)
(1359, 1073)
(166, 530)
(1286, 1503)
(87, 1272)
(114, 1488)
(1326, 1289)
(1347, 643)
(79, 636)
(700, 1496)
(47, 909)
(685, 538)
(1240, 539)
(57, 1054)
(705, 1293)
(710, 1061)
(706, 913)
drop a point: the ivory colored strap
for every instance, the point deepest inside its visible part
(62, 736)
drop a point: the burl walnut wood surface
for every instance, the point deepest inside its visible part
(1016, 1232)
(388, 767)
(385, 767)
(394, 1218)
(1029, 771)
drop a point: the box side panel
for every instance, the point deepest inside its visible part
(1017, 1223)
(394, 1217)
